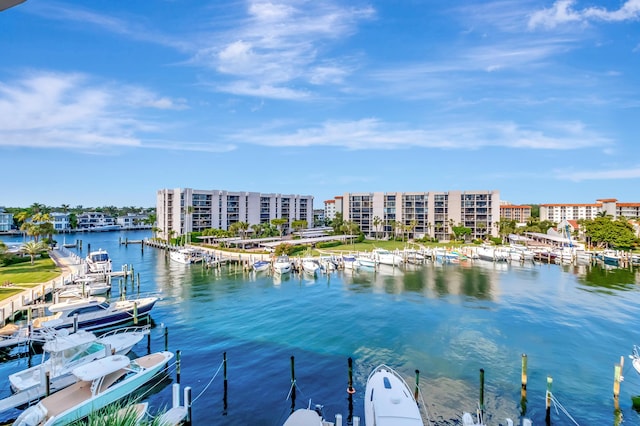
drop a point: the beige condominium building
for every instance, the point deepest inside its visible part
(609, 206)
(422, 214)
(183, 210)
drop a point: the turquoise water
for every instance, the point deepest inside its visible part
(574, 324)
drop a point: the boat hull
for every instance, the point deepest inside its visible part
(389, 401)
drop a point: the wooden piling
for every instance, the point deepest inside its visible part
(149, 342)
(548, 401)
(47, 378)
(482, 393)
(350, 389)
(617, 376)
(135, 314)
(523, 390)
(178, 366)
(293, 385)
(416, 392)
(166, 338)
(226, 387)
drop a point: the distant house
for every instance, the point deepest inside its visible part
(60, 221)
(133, 221)
(6, 221)
(96, 221)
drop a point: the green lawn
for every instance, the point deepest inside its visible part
(369, 245)
(23, 274)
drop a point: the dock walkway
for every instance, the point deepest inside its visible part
(72, 267)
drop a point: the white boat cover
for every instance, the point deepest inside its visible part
(101, 367)
(303, 417)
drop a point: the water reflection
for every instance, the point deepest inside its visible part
(608, 280)
(429, 280)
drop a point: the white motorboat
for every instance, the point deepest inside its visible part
(13, 335)
(413, 256)
(364, 261)
(98, 262)
(389, 401)
(310, 266)
(94, 313)
(83, 287)
(349, 261)
(307, 417)
(385, 257)
(61, 354)
(98, 384)
(261, 265)
(282, 265)
(186, 255)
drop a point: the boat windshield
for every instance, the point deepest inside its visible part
(100, 257)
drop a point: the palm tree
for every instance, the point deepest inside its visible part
(413, 223)
(65, 208)
(279, 224)
(21, 217)
(376, 225)
(33, 248)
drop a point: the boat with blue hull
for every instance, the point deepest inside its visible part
(94, 313)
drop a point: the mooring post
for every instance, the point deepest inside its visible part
(75, 322)
(293, 384)
(416, 392)
(187, 404)
(617, 374)
(548, 401)
(175, 395)
(178, 366)
(166, 338)
(47, 378)
(135, 313)
(523, 390)
(149, 342)
(482, 393)
(226, 387)
(350, 388)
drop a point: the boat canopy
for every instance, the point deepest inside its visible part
(99, 368)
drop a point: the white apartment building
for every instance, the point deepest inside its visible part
(6, 221)
(610, 206)
(330, 209)
(429, 213)
(60, 221)
(184, 210)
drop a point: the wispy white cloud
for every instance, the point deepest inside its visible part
(563, 11)
(132, 29)
(281, 45)
(616, 174)
(71, 111)
(373, 134)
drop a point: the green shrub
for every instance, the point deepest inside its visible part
(327, 244)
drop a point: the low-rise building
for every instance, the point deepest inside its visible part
(520, 214)
(6, 221)
(609, 206)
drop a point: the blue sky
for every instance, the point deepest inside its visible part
(104, 103)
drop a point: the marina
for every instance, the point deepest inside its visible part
(574, 322)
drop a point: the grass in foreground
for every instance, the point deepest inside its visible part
(43, 270)
(117, 414)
